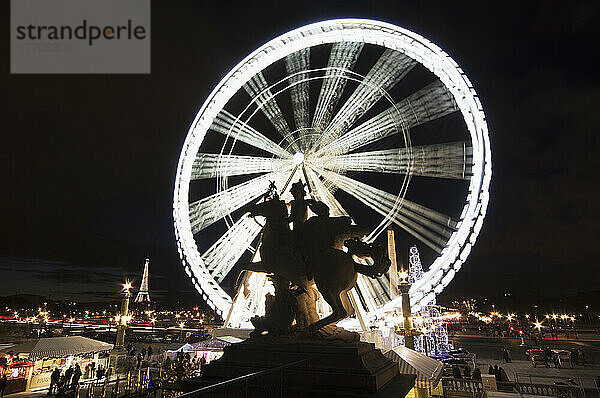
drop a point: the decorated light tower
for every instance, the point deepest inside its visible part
(429, 319)
(415, 270)
(143, 295)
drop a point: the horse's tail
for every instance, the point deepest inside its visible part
(381, 262)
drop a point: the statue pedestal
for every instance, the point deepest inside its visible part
(116, 359)
(331, 369)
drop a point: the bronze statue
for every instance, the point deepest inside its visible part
(310, 255)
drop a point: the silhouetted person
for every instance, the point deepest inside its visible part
(502, 374)
(467, 372)
(3, 384)
(476, 374)
(100, 372)
(556, 360)
(490, 370)
(149, 351)
(506, 355)
(76, 377)
(547, 356)
(68, 375)
(496, 372)
(54, 379)
(456, 373)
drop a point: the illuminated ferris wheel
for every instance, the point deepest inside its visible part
(376, 121)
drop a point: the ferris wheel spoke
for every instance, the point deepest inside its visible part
(209, 165)
(389, 69)
(258, 89)
(324, 195)
(449, 160)
(429, 103)
(343, 57)
(211, 209)
(225, 123)
(429, 226)
(297, 66)
(220, 258)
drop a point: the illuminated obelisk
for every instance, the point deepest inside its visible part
(393, 263)
(143, 295)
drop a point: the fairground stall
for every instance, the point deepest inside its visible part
(212, 349)
(33, 362)
(17, 373)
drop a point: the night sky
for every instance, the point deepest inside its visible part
(88, 161)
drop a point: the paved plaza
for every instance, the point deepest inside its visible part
(488, 350)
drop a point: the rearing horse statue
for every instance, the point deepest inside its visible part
(316, 253)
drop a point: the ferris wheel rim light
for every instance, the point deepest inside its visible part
(326, 32)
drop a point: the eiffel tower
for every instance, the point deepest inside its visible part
(143, 295)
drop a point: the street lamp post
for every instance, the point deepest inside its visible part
(119, 349)
(407, 327)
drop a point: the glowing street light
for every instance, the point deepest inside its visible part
(403, 275)
(181, 331)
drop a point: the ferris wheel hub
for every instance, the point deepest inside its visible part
(298, 158)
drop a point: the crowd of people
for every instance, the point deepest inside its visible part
(141, 355)
(60, 383)
(466, 373)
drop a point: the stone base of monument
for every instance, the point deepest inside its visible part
(328, 368)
